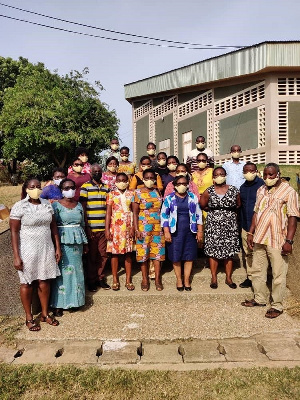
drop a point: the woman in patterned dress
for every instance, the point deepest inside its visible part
(203, 176)
(125, 165)
(32, 224)
(119, 230)
(67, 291)
(150, 244)
(221, 229)
(109, 177)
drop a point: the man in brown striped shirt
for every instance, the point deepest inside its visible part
(271, 237)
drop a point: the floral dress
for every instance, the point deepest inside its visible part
(68, 290)
(221, 229)
(121, 222)
(152, 244)
(109, 180)
(128, 168)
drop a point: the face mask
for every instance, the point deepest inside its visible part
(202, 164)
(171, 167)
(200, 146)
(219, 180)
(112, 169)
(122, 185)
(162, 162)
(34, 193)
(114, 147)
(83, 158)
(236, 154)
(181, 174)
(77, 169)
(97, 176)
(57, 181)
(271, 182)
(250, 176)
(124, 158)
(151, 152)
(181, 189)
(144, 167)
(68, 194)
(149, 184)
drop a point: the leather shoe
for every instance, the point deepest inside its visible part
(246, 284)
(102, 284)
(92, 287)
(232, 285)
(214, 285)
(188, 288)
(180, 288)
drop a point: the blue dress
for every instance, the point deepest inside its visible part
(51, 192)
(68, 290)
(184, 244)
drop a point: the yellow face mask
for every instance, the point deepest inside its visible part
(77, 168)
(34, 193)
(219, 180)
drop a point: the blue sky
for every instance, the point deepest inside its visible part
(216, 22)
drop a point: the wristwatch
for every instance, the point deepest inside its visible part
(289, 241)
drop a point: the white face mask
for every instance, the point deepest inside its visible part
(219, 180)
(271, 182)
(172, 167)
(202, 164)
(83, 158)
(250, 176)
(181, 189)
(144, 167)
(124, 158)
(68, 194)
(34, 193)
(122, 185)
(181, 173)
(162, 162)
(114, 147)
(236, 154)
(112, 169)
(149, 183)
(200, 146)
(151, 152)
(57, 181)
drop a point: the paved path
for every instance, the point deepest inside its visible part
(166, 330)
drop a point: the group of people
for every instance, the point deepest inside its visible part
(166, 209)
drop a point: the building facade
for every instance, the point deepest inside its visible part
(249, 97)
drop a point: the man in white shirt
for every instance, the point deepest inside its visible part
(191, 160)
(234, 167)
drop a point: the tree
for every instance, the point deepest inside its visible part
(46, 116)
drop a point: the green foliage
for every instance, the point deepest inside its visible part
(46, 116)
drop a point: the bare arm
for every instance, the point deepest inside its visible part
(136, 210)
(55, 236)
(15, 226)
(238, 201)
(204, 200)
(251, 232)
(108, 221)
(291, 230)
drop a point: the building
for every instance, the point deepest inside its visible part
(249, 97)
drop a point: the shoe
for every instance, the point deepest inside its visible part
(214, 285)
(115, 286)
(273, 313)
(102, 284)
(246, 284)
(180, 288)
(159, 286)
(130, 286)
(92, 287)
(252, 303)
(232, 285)
(58, 312)
(188, 288)
(145, 286)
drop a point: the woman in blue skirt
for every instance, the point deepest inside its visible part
(67, 291)
(181, 219)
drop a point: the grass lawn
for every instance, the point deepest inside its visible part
(69, 382)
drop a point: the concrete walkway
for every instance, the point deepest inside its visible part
(204, 328)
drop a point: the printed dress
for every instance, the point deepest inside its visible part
(121, 222)
(152, 245)
(68, 289)
(109, 180)
(36, 246)
(128, 169)
(221, 229)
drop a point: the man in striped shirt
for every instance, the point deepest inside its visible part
(271, 236)
(93, 196)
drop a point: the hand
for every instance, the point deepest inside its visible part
(58, 255)
(131, 232)
(108, 235)
(168, 237)
(250, 241)
(139, 235)
(85, 249)
(286, 249)
(18, 263)
(199, 237)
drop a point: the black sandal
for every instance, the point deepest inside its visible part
(50, 320)
(35, 327)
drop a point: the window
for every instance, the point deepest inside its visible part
(186, 144)
(165, 146)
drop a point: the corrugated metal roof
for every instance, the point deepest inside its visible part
(246, 61)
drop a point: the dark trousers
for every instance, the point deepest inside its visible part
(97, 257)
